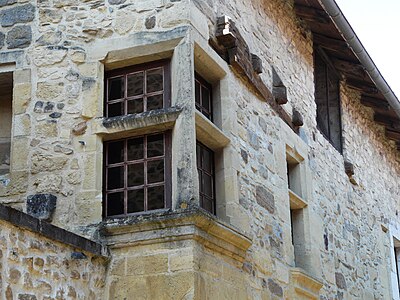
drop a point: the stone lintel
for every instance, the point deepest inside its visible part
(166, 226)
(304, 284)
(25, 221)
(209, 134)
(143, 123)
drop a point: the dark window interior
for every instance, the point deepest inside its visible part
(205, 168)
(136, 177)
(328, 102)
(137, 89)
(6, 95)
(203, 97)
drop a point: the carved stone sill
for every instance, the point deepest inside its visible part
(296, 202)
(143, 123)
(305, 286)
(209, 134)
(167, 226)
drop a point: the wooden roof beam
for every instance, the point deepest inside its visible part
(393, 134)
(374, 102)
(312, 14)
(362, 86)
(330, 43)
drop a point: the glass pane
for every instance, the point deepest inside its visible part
(208, 205)
(155, 171)
(115, 109)
(320, 95)
(135, 175)
(115, 152)
(198, 155)
(207, 160)
(205, 96)
(135, 149)
(115, 178)
(207, 185)
(135, 201)
(155, 80)
(334, 112)
(115, 204)
(155, 145)
(197, 89)
(135, 84)
(155, 102)
(135, 106)
(155, 197)
(116, 88)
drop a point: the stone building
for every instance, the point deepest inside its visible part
(194, 149)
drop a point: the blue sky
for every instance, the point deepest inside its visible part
(377, 24)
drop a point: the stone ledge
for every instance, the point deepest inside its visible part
(167, 226)
(143, 123)
(304, 284)
(209, 134)
(23, 220)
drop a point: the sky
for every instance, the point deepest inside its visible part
(377, 25)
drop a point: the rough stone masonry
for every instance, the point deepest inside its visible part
(322, 237)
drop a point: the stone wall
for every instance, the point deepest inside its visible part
(59, 59)
(35, 266)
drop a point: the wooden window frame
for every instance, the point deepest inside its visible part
(167, 157)
(330, 73)
(200, 171)
(204, 83)
(165, 64)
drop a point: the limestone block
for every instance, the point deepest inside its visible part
(41, 162)
(21, 97)
(47, 128)
(20, 153)
(18, 14)
(49, 91)
(48, 184)
(47, 56)
(19, 37)
(145, 265)
(124, 21)
(22, 125)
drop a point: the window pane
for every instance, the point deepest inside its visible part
(135, 84)
(135, 149)
(135, 174)
(115, 178)
(197, 89)
(135, 106)
(155, 80)
(115, 109)
(207, 185)
(115, 204)
(135, 201)
(155, 197)
(115, 152)
(334, 112)
(155, 145)
(155, 102)
(208, 204)
(205, 97)
(321, 95)
(155, 171)
(116, 88)
(198, 155)
(207, 160)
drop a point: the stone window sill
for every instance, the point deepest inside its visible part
(304, 284)
(137, 124)
(209, 134)
(166, 226)
(296, 202)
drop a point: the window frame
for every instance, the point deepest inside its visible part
(212, 175)
(165, 63)
(167, 174)
(204, 83)
(330, 74)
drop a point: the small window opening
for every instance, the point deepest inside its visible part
(206, 173)
(203, 91)
(6, 95)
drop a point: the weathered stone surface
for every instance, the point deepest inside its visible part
(19, 37)
(2, 37)
(150, 22)
(7, 2)
(41, 206)
(340, 281)
(265, 199)
(275, 288)
(50, 38)
(18, 14)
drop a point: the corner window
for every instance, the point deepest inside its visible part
(205, 169)
(6, 95)
(137, 174)
(203, 97)
(137, 89)
(327, 98)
